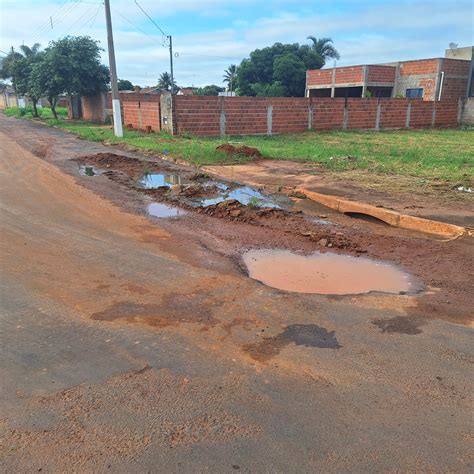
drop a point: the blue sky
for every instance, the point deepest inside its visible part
(209, 35)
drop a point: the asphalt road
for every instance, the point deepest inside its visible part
(124, 352)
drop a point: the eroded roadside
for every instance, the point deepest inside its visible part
(275, 222)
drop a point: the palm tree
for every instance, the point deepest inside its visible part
(229, 76)
(324, 47)
(12, 56)
(164, 82)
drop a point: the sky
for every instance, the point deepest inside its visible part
(209, 35)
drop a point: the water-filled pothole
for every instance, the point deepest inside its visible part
(157, 209)
(86, 170)
(245, 195)
(158, 180)
(325, 273)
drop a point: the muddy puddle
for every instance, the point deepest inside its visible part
(245, 195)
(325, 273)
(158, 180)
(89, 171)
(157, 209)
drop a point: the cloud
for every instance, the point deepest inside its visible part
(208, 35)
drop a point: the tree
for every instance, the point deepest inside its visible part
(13, 56)
(164, 82)
(125, 85)
(210, 90)
(70, 65)
(324, 47)
(264, 70)
(290, 72)
(75, 61)
(23, 79)
(230, 75)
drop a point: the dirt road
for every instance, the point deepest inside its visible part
(136, 345)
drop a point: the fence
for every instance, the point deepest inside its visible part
(219, 116)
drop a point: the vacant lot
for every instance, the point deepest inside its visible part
(433, 154)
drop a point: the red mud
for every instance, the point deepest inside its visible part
(232, 150)
(444, 266)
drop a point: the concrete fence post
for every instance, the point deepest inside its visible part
(269, 119)
(140, 125)
(378, 116)
(310, 116)
(433, 115)
(222, 117)
(345, 119)
(461, 104)
(408, 115)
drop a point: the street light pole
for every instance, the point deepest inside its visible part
(170, 39)
(117, 115)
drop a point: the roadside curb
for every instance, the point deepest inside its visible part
(392, 218)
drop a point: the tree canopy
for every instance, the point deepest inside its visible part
(210, 90)
(125, 85)
(277, 70)
(324, 47)
(6, 67)
(164, 82)
(70, 65)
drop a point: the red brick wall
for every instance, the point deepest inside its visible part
(453, 88)
(393, 113)
(316, 77)
(456, 67)
(201, 116)
(245, 115)
(446, 113)
(290, 114)
(346, 75)
(198, 115)
(362, 113)
(421, 66)
(381, 73)
(141, 111)
(421, 115)
(328, 114)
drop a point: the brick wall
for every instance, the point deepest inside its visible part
(381, 74)
(316, 77)
(361, 113)
(456, 67)
(141, 111)
(328, 114)
(419, 66)
(349, 75)
(93, 108)
(213, 116)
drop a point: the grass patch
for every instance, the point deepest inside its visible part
(27, 112)
(446, 155)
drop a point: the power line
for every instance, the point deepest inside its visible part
(150, 18)
(137, 27)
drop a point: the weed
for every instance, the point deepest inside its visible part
(254, 202)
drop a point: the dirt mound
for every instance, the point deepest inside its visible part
(288, 222)
(243, 150)
(125, 164)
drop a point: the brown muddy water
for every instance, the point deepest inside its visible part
(157, 209)
(325, 273)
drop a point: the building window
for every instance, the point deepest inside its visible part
(414, 93)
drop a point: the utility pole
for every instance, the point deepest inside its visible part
(116, 113)
(170, 39)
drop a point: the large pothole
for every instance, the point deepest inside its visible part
(326, 273)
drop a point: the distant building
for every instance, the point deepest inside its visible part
(427, 79)
(8, 97)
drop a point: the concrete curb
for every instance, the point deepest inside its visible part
(393, 218)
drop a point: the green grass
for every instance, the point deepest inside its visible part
(446, 155)
(27, 112)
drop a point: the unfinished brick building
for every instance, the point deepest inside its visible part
(427, 79)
